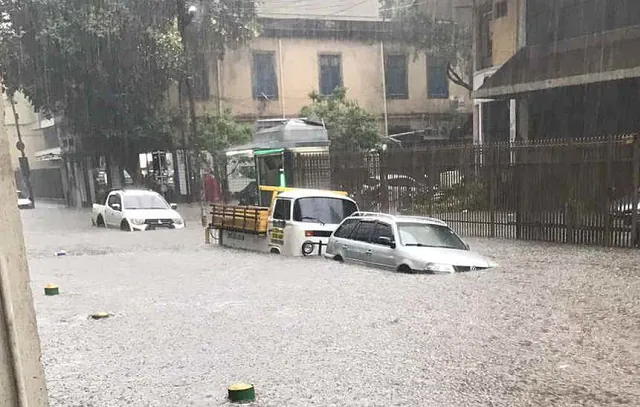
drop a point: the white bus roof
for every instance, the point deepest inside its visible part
(312, 193)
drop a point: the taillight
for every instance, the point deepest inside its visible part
(309, 233)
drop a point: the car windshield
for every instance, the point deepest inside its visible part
(322, 210)
(424, 235)
(144, 202)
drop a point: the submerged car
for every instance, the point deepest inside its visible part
(23, 201)
(403, 243)
(136, 210)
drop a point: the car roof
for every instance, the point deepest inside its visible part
(397, 218)
(136, 191)
(312, 193)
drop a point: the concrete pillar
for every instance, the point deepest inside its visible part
(523, 118)
(22, 381)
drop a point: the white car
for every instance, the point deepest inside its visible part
(23, 201)
(403, 243)
(136, 210)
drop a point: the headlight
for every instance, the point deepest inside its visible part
(307, 248)
(178, 221)
(439, 268)
(137, 221)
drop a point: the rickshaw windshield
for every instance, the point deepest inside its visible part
(322, 210)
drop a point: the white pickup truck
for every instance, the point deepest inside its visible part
(136, 210)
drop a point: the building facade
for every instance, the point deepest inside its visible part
(562, 69)
(297, 53)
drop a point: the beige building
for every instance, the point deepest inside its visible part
(273, 75)
(498, 35)
(40, 138)
(555, 70)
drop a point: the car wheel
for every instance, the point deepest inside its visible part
(339, 259)
(405, 269)
(100, 222)
(124, 226)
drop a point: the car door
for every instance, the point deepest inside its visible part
(340, 242)
(383, 255)
(112, 215)
(280, 220)
(359, 248)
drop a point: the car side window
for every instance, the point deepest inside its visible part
(383, 230)
(282, 210)
(346, 228)
(364, 231)
(114, 199)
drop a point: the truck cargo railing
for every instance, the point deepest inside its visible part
(246, 219)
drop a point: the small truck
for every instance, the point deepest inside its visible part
(136, 210)
(298, 221)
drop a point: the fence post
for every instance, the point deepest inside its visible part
(493, 181)
(431, 180)
(635, 228)
(521, 194)
(384, 190)
(609, 173)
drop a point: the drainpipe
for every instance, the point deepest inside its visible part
(384, 91)
(281, 81)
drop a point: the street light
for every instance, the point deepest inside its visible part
(186, 15)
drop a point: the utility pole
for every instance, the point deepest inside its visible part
(185, 16)
(24, 161)
(22, 382)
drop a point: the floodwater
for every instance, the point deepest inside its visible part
(554, 325)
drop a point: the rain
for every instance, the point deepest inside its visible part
(313, 203)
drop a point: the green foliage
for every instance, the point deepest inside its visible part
(350, 126)
(219, 133)
(449, 40)
(106, 65)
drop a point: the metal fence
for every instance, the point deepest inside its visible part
(573, 191)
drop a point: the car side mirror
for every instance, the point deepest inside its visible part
(385, 241)
(174, 206)
(116, 207)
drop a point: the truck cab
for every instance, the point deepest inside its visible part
(301, 221)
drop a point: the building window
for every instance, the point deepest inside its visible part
(330, 73)
(396, 76)
(264, 80)
(437, 80)
(502, 9)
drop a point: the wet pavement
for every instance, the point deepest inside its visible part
(553, 326)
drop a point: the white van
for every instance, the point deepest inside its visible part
(302, 221)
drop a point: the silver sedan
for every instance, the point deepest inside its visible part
(403, 243)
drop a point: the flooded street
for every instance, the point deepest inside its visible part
(552, 326)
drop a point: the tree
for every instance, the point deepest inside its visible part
(446, 39)
(350, 126)
(216, 134)
(106, 66)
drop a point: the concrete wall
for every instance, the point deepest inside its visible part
(21, 372)
(505, 33)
